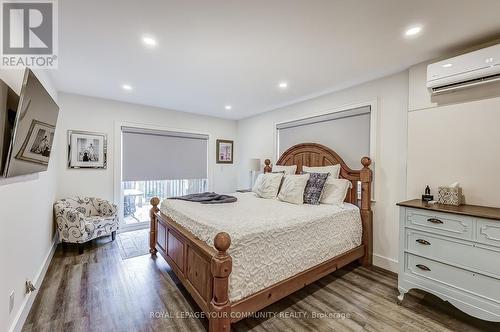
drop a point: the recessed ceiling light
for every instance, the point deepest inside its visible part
(127, 87)
(447, 65)
(149, 41)
(413, 31)
(283, 85)
(228, 107)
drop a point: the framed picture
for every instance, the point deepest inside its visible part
(224, 151)
(86, 149)
(37, 144)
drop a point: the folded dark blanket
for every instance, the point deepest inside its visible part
(207, 198)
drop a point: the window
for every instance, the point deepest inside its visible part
(347, 132)
(179, 167)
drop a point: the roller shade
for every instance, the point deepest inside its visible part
(346, 132)
(163, 155)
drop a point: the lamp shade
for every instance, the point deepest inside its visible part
(254, 164)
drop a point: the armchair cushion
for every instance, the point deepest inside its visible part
(81, 219)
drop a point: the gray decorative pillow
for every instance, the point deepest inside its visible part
(314, 187)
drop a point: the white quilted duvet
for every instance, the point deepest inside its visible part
(270, 240)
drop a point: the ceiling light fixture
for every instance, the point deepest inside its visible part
(447, 65)
(413, 31)
(149, 41)
(228, 107)
(283, 85)
(127, 87)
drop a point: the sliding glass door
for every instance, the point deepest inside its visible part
(159, 163)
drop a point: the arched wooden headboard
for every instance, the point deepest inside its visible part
(313, 154)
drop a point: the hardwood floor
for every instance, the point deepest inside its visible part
(98, 291)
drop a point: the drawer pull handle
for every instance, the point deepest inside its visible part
(434, 221)
(422, 267)
(427, 243)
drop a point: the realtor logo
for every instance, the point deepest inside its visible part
(29, 34)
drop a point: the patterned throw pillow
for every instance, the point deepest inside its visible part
(314, 187)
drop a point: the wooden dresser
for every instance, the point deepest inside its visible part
(452, 252)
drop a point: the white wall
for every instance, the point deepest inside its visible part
(454, 137)
(27, 234)
(102, 115)
(256, 140)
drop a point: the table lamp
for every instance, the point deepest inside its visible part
(253, 167)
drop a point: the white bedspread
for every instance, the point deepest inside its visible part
(270, 240)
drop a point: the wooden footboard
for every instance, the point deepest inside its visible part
(204, 270)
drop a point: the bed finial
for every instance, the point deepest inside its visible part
(155, 201)
(222, 241)
(365, 161)
(267, 168)
(152, 230)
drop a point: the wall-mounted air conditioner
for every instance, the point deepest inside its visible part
(466, 70)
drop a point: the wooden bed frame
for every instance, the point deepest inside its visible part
(204, 270)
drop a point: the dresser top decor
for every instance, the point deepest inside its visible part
(466, 210)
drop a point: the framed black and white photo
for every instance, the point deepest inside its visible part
(37, 144)
(224, 151)
(86, 149)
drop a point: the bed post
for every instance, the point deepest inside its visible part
(152, 230)
(267, 168)
(366, 211)
(221, 266)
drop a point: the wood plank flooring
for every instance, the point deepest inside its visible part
(98, 291)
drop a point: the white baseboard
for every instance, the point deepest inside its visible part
(23, 312)
(386, 263)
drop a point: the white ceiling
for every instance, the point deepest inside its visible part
(219, 52)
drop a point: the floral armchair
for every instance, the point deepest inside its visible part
(81, 219)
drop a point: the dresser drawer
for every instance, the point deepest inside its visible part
(463, 280)
(488, 232)
(442, 223)
(453, 251)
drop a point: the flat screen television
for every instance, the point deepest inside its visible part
(27, 127)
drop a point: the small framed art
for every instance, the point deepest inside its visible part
(86, 149)
(224, 151)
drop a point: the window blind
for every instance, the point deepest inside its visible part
(163, 155)
(346, 132)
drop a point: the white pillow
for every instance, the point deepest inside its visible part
(335, 191)
(292, 189)
(334, 170)
(267, 185)
(289, 170)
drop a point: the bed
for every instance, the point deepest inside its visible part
(274, 248)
